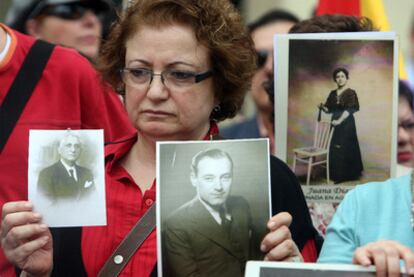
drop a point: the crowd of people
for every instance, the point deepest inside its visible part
(171, 70)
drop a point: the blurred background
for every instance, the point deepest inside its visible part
(400, 12)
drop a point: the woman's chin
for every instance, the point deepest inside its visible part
(406, 163)
(159, 130)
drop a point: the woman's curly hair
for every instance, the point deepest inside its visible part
(217, 26)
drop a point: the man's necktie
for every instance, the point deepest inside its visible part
(72, 174)
(225, 223)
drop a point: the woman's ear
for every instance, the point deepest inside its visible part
(32, 27)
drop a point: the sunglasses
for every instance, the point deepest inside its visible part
(70, 11)
(261, 57)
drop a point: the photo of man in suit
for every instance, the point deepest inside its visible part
(65, 179)
(211, 234)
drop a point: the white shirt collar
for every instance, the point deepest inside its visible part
(214, 213)
(66, 165)
(73, 168)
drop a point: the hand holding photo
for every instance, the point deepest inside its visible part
(213, 203)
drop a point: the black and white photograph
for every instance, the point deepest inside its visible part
(66, 176)
(213, 202)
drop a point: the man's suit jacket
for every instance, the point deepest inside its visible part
(196, 245)
(55, 182)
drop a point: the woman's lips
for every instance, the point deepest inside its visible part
(156, 114)
(89, 39)
(404, 156)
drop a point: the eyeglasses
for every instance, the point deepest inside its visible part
(407, 126)
(261, 57)
(70, 11)
(141, 78)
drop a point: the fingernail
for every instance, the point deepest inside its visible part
(263, 248)
(366, 262)
(28, 205)
(271, 224)
(266, 258)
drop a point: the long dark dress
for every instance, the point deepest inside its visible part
(345, 162)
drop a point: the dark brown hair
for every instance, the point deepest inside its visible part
(340, 69)
(217, 26)
(333, 23)
(272, 16)
(404, 92)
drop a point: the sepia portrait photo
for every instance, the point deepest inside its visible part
(66, 176)
(213, 203)
(340, 96)
(336, 113)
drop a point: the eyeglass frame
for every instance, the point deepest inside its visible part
(198, 77)
(261, 57)
(407, 126)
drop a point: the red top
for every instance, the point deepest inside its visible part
(126, 204)
(309, 252)
(69, 95)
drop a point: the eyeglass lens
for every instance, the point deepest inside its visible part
(176, 79)
(407, 126)
(261, 56)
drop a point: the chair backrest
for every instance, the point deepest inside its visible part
(323, 134)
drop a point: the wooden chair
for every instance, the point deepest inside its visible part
(318, 154)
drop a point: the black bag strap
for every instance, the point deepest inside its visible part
(22, 88)
(129, 245)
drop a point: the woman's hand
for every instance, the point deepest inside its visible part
(336, 122)
(26, 242)
(341, 119)
(385, 255)
(278, 244)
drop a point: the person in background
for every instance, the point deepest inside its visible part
(405, 150)
(332, 24)
(373, 225)
(180, 76)
(409, 63)
(262, 31)
(70, 23)
(69, 94)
